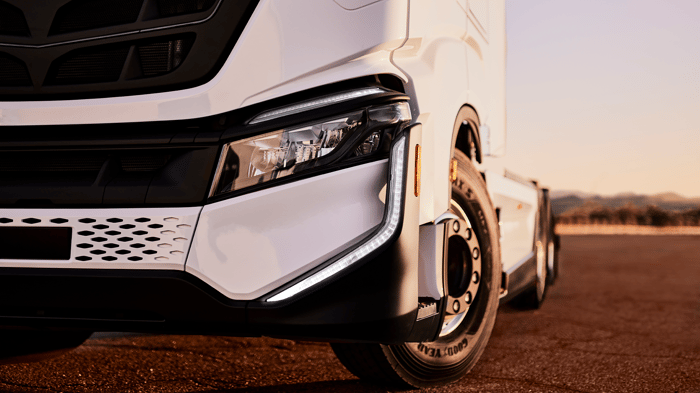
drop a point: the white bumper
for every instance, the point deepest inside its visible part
(249, 245)
(243, 247)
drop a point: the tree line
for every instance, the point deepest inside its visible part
(629, 214)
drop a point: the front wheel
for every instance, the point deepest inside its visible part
(27, 346)
(473, 276)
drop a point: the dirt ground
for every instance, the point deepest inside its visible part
(624, 317)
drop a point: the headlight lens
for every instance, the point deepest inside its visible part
(288, 151)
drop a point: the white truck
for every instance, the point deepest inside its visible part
(318, 169)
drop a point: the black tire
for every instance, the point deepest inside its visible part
(552, 247)
(418, 365)
(28, 346)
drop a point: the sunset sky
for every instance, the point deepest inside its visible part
(604, 95)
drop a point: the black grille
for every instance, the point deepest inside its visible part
(27, 162)
(81, 15)
(105, 63)
(145, 163)
(181, 7)
(90, 66)
(13, 72)
(114, 47)
(159, 58)
(12, 21)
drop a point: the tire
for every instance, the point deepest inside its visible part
(552, 248)
(456, 351)
(533, 297)
(28, 346)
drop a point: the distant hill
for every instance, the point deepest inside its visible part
(563, 201)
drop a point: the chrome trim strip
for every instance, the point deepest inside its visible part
(196, 22)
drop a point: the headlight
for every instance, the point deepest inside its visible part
(299, 149)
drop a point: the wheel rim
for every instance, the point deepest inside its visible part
(461, 331)
(464, 269)
(550, 256)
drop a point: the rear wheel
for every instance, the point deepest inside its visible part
(473, 280)
(533, 298)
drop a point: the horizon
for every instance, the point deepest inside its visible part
(625, 193)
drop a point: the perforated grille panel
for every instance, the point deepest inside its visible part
(110, 237)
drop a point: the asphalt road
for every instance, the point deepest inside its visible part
(624, 317)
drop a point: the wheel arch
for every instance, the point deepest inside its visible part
(465, 134)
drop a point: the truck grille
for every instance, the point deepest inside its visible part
(107, 63)
(159, 58)
(91, 66)
(12, 22)
(179, 7)
(79, 15)
(103, 48)
(80, 162)
(13, 72)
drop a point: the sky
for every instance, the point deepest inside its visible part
(603, 96)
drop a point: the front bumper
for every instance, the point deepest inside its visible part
(374, 300)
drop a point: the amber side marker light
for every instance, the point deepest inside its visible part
(416, 183)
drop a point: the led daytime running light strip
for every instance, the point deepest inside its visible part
(313, 104)
(391, 223)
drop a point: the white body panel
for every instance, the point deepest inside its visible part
(518, 205)
(249, 245)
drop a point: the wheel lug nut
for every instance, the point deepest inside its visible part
(455, 226)
(468, 299)
(475, 253)
(455, 306)
(475, 277)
